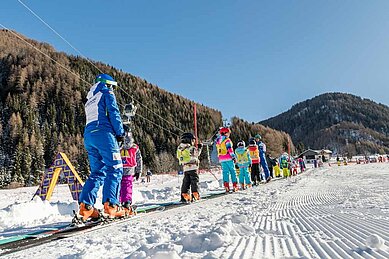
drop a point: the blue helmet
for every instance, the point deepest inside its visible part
(107, 79)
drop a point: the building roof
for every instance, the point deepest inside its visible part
(310, 152)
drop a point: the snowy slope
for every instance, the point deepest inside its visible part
(332, 212)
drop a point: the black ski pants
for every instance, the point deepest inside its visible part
(190, 181)
(255, 173)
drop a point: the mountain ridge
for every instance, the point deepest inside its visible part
(342, 122)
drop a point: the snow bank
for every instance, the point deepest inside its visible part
(35, 212)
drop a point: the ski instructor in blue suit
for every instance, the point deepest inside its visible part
(103, 131)
(262, 155)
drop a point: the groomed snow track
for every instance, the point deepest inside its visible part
(302, 223)
(323, 213)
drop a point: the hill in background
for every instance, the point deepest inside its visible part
(344, 123)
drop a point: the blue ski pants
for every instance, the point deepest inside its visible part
(228, 169)
(264, 166)
(106, 167)
(244, 176)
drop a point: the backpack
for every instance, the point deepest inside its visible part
(254, 152)
(222, 147)
(242, 158)
(129, 156)
(183, 156)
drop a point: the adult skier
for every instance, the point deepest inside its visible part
(262, 155)
(132, 169)
(227, 158)
(103, 131)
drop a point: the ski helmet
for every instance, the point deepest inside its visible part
(252, 142)
(224, 130)
(187, 138)
(258, 136)
(107, 79)
(241, 143)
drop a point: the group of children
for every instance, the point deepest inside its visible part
(245, 162)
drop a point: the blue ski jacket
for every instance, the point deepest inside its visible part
(102, 112)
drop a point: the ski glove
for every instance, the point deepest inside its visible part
(119, 139)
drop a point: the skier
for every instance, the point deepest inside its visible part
(188, 157)
(227, 158)
(103, 131)
(148, 175)
(284, 164)
(277, 170)
(262, 152)
(255, 169)
(243, 161)
(270, 164)
(294, 167)
(132, 168)
(301, 164)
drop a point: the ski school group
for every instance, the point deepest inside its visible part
(115, 160)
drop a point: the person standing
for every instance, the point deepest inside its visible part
(284, 164)
(227, 158)
(270, 164)
(132, 169)
(262, 155)
(255, 160)
(103, 131)
(148, 175)
(188, 157)
(243, 162)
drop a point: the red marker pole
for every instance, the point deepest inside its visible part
(195, 123)
(289, 149)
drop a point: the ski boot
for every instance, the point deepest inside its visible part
(235, 187)
(249, 185)
(129, 209)
(268, 179)
(185, 198)
(227, 187)
(243, 186)
(113, 211)
(87, 211)
(195, 196)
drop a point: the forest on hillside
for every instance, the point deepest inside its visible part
(42, 111)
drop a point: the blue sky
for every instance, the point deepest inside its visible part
(253, 59)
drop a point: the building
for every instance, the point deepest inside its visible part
(324, 155)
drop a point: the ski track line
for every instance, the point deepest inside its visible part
(258, 249)
(229, 250)
(248, 251)
(307, 237)
(301, 250)
(239, 249)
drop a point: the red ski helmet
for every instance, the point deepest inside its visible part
(224, 130)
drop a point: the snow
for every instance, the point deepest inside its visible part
(330, 212)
